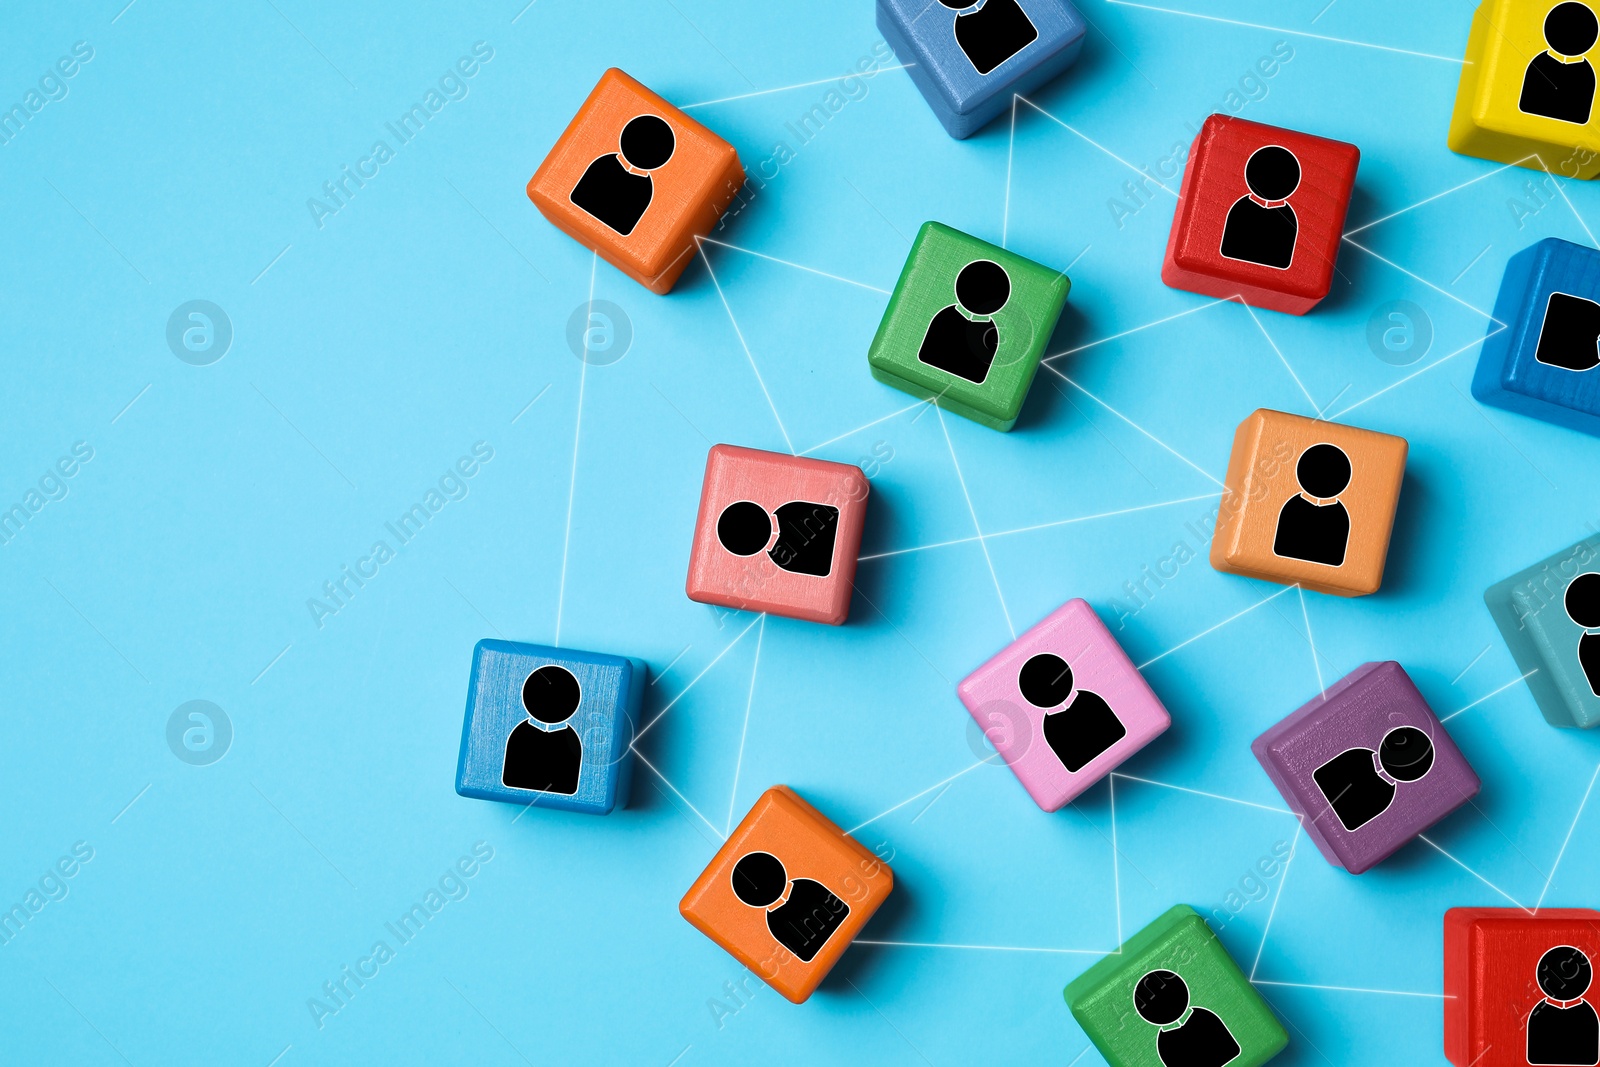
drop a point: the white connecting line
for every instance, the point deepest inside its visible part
(1291, 33)
(749, 700)
(572, 485)
(984, 545)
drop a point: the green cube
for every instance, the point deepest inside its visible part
(1173, 995)
(1549, 616)
(967, 325)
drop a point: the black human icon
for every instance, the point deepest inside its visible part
(1360, 784)
(806, 533)
(963, 338)
(991, 33)
(617, 188)
(546, 761)
(1312, 531)
(809, 914)
(1569, 337)
(1201, 1039)
(1582, 602)
(1563, 1028)
(1559, 83)
(1262, 227)
(1078, 732)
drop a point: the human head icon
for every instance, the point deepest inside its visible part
(1582, 600)
(1570, 29)
(1045, 680)
(1406, 754)
(1564, 973)
(744, 528)
(759, 879)
(551, 694)
(1272, 173)
(1161, 998)
(983, 287)
(1323, 471)
(646, 142)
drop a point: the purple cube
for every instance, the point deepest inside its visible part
(1367, 767)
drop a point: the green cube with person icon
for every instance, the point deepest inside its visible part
(967, 325)
(1171, 995)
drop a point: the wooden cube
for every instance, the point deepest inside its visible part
(1528, 85)
(1519, 987)
(1545, 360)
(637, 180)
(1260, 215)
(1309, 502)
(787, 893)
(1172, 995)
(1367, 766)
(552, 727)
(1063, 705)
(967, 325)
(778, 534)
(969, 61)
(1549, 616)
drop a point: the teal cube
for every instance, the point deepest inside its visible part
(1173, 995)
(967, 325)
(1549, 616)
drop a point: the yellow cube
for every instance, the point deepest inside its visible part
(1527, 92)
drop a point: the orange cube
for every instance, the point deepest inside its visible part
(637, 180)
(787, 893)
(1309, 502)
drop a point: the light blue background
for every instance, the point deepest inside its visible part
(428, 313)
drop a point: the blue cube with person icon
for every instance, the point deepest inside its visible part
(970, 57)
(1542, 356)
(1549, 616)
(551, 727)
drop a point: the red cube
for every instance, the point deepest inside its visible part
(1260, 215)
(778, 533)
(1519, 986)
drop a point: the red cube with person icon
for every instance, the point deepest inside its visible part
(1260, 215)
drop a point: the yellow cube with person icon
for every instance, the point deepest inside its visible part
(1527, 91)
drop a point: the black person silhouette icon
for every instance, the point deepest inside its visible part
(805, 920)
(546, 761)
(1261, 226)
(806, 533)
(991, 32)
(1307, 530)
(1582, 602)
(616, 188)
(1569, 337)
(1201, 1039)
(1563, 1028)
(1078, 732)
(1360, 788)
(1559, 83)
(963, 337)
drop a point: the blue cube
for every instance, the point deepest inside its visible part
(1546, 362)
(969, 56)
(1549, 616)
(552, 727)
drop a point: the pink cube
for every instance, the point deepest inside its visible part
(778, 534)
(1063, 705)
